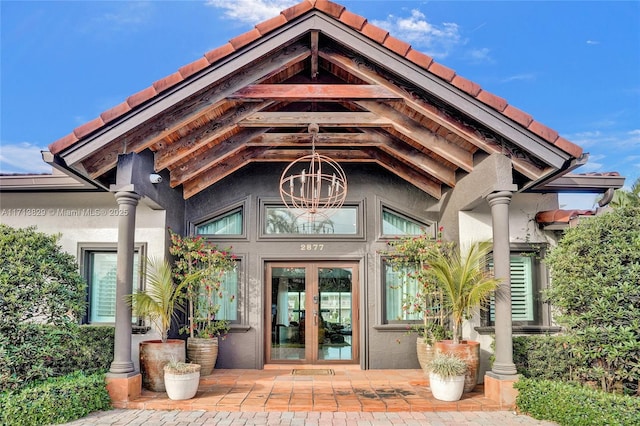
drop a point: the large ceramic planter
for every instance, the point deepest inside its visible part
(204, 352)
(181, 385)
(446, 388)
(425, 353)
(154, 355)
(469, 352)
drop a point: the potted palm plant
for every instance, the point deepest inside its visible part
(158, 302)
(421, 300)
(467, 284)
(181, 380)
(194, 257)
(447, 377)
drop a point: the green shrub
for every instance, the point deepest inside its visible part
(37, 279)
(595, 287)
(573, 404)
(531, 355)
(33, 352)
(55, 401)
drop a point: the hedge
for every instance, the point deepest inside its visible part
(573, 404)
(55, 401)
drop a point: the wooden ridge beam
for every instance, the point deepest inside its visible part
(289, 155)
(327, 139)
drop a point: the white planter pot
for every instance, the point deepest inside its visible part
(181, 386)
(446, 388)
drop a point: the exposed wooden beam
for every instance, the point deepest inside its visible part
(313, 92)
(222, 169)
(204, 135)
(339, 155)
(303, 119)
(327, 139)
(413, 130)
(407, 173)
(182, 171)
(315, 37)
(431, 112)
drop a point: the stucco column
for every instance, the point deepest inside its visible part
(127, 202)
(499, 202)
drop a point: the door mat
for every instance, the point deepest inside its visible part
(312, 372)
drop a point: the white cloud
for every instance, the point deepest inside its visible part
(480, 55)
(251, 11)
(593, 42)
(435, 40)
(22, 157)
(519, 77)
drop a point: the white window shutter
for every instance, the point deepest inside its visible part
(521, 290)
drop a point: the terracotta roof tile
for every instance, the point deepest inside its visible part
(397, 45)
(195, 66)
(350, 19)
(115, 112)
(466, 85)
(168, 81)
(543, 131)
(63, 143)
(244, 39)
(353, 20)
(141, 97)
(561, 216)
(374, 32)
(495, 102)
(517, 115)
(89, 127)
(271, 24)
(419, 58)
(441, 71)
(219, 53)
(569, 147)
(330, 8)
(297, 10)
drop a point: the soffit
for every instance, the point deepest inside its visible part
(376, 101)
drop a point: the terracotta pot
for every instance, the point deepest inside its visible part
(154, 355)
(469, 352)
(204, 352)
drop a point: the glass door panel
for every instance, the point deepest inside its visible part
(334, 325)
(288, 292)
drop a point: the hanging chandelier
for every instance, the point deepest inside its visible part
(314, 184)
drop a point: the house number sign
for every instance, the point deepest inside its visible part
(311, 247)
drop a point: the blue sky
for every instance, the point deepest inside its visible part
(572, 65)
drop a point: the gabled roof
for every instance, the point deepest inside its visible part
(376, 99)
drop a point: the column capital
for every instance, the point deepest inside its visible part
(499, 197)
(127, 197)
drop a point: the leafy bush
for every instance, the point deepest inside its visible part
(531, 355)
(38, 281)
(596, 288)
(34, 352)
(55, 401)
(572, 404)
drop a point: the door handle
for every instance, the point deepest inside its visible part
(315, 318)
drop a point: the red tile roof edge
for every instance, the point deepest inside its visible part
(354, 21)
(561, 216)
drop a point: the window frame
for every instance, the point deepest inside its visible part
(219, 214)
(429, 225)
(359, 235)
(85, 250)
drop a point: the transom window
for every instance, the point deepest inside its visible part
(229, 223)
(280, 220)
(394, 223)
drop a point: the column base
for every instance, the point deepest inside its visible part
(123, 388)
(499, 388)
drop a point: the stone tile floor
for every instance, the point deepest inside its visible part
(274, 396)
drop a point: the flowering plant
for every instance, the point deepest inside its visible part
(195, 257)
(411, 256)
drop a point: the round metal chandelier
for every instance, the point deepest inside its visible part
(314, 184)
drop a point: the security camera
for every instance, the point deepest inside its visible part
(155, 178)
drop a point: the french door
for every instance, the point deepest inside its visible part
(312, 312)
